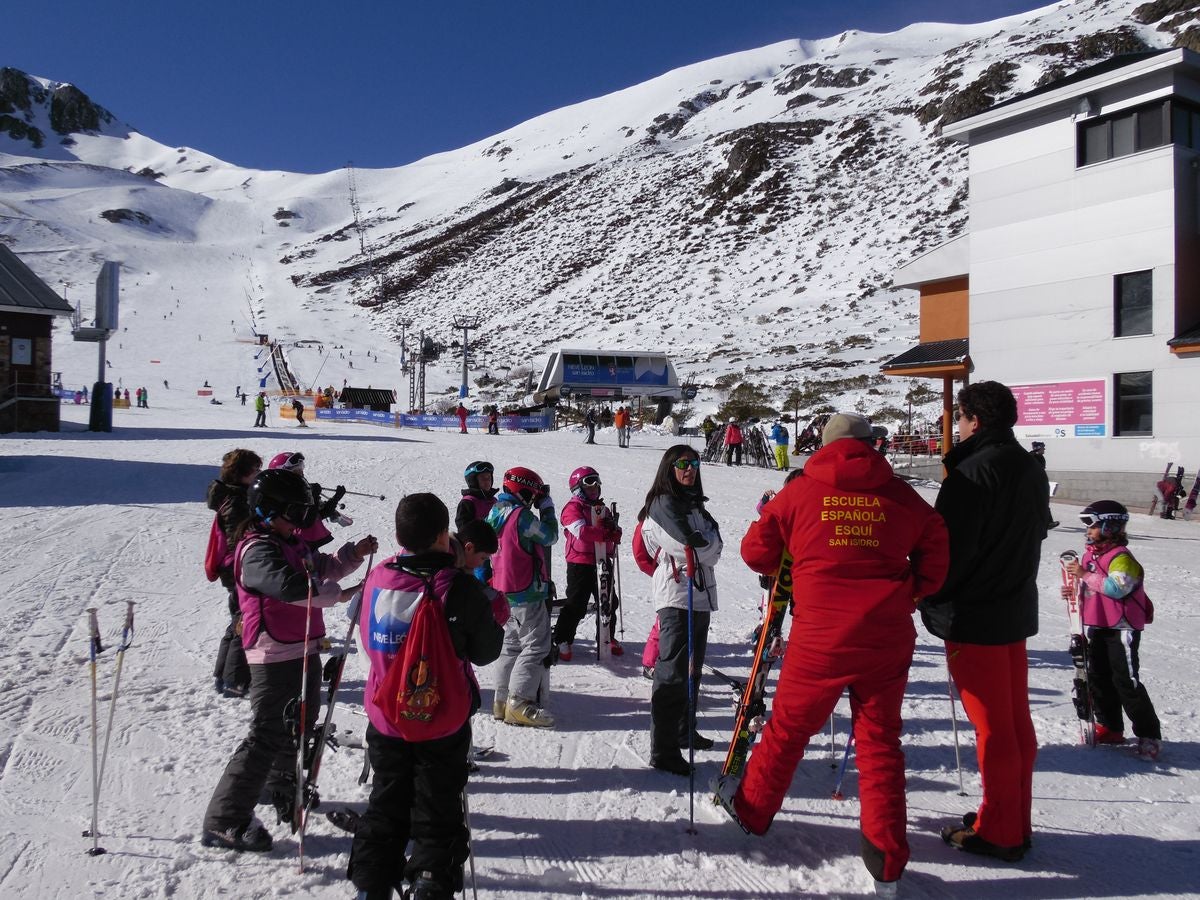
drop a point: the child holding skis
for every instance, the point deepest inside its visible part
(282, 586)
(420, 767)
(586, 522)
(1115, 610)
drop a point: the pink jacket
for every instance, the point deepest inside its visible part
(582, 535)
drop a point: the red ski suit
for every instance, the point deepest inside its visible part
(865, 548)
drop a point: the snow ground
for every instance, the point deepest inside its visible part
(95, 520)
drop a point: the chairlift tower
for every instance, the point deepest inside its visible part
(467, 324)
(360, 229)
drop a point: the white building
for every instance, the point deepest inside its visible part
(1081, 284)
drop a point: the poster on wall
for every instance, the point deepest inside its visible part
(22, 351)
(1077, 408)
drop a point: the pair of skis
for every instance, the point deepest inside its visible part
(1081, 693)
(608, 589)
(1169, 489)
(752, 706)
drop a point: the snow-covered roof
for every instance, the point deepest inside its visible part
(948, 260)
(22, 291)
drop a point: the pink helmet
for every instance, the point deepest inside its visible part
(584, 476)
(290, 462)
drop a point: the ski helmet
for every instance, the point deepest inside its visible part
(474, 470)
(1107, 515)
(282, 493)
(524, 483)
(584, 476)
(292, 462)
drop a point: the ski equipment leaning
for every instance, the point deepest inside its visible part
(1081, 694)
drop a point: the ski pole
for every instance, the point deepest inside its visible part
(691, 710)
(94, 649)
(302, 726)
(360, 494)
(126, 641)
(954, 725)
(832, 748)
(470, 845)
(837, 788)
(617, 576)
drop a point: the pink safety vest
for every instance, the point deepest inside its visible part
(284, 622)
(513, 567)
(1102, 611)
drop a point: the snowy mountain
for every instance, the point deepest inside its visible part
(745, 212)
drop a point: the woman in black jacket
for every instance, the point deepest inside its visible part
(227, 498)
(994, 500)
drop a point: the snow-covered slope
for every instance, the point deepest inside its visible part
(745, 212)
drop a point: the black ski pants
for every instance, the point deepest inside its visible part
(231, 666)
(669, 697)
(266, 758)
(1114, 682)
(733, 454)
(416, 795)
(581, 587)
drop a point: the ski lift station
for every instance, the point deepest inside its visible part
(605, 375)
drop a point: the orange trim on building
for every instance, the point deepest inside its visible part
(945, 310)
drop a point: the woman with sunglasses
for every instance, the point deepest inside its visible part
(675, 525)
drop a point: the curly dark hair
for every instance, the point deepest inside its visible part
(237, 464)
(664, 478)
(991, 402)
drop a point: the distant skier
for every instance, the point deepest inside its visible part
(461, 412)
(589, 422)
(260, 410)
(733, 443)
(779, 434)
(298, 409)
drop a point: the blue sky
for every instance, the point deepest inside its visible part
(306, 85)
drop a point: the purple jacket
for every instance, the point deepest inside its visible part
(1113, 595)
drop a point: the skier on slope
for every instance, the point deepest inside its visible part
(865, 547)
(282, 588)
(1115, 610)
(416, 793)
(227, 498)
(994, 501)
(521, 570)
(582, 536)
(675, 524)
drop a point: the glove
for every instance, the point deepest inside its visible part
(696, 540)
(1067, 594)
(545, 503)
(614, 535)
(501, 611)
(329, 510)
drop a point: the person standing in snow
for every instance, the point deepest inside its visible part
(733, 443)
(994, 500)
(676, 527)
(589, 422)
(864, 548)
(521, 570)
(478, 497)
(227, 499)
(462, 414)
(260, 410)
(416, 792)
(779, 434)
(1115, 610)
(282, 588)
(586, 521)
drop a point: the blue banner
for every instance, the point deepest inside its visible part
(541, 422)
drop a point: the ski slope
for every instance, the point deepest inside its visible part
(97, 520)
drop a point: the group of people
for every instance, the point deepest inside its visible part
(621, 420)
(866, 553)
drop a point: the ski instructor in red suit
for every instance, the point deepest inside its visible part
(994, 500)
(865, 549)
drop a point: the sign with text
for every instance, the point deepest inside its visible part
(1062, 409)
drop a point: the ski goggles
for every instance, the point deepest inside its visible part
(1092, 520)
(295, 461)
(479, 469)
(684, 464)
(590, 481)
(302, 515)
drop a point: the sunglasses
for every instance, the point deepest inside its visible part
(684, 464)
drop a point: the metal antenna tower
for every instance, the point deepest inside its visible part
(360, 229)
(467, 324)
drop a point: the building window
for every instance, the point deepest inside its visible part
(1123, 133)
(1132, 304)
(1133, 398)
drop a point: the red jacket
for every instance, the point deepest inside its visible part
(865, 547)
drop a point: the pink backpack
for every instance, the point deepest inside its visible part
(218, 556)
(641, 555)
